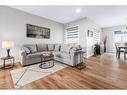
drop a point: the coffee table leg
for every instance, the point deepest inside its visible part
(49, 64)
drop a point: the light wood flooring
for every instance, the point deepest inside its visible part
(101, 72)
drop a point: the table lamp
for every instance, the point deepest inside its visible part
(7, 45)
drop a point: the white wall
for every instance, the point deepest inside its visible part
(82, 33)
(109, 32)
(90, 25)
(13, 27)
(85, 24)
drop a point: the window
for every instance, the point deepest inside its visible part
(120, 36)
(72, 35)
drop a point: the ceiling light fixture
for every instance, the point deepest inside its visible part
(125, 30)
(78, 10)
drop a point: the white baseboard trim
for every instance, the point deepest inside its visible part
(110, 51)
(87, 56)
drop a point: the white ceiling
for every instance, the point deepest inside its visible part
(105, 16)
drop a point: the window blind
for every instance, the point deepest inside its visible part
(72, 34)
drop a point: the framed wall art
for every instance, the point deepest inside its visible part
(34, 31)
(90, 33)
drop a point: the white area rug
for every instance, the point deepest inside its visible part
(26, 75)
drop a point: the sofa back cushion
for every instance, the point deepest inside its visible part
(65, 48)
(57, 47)
(42, 47)
(50, 47)
(32, 48)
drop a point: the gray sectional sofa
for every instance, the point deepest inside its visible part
(68, 54)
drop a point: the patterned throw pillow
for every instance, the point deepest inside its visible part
(26, 50)
(50, 47)
(66, 48)
(33, 49)
(57, 47)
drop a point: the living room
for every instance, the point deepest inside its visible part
(62, 47)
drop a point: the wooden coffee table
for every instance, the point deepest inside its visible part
(47, 60)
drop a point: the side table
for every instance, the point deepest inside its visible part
(7, 58)
(82, 64)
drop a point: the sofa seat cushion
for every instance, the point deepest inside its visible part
(62, 55)
(66, 55)
(57, 54)
(35, 55)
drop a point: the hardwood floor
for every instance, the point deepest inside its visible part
(102, 72)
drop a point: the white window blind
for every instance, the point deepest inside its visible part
(72, 34)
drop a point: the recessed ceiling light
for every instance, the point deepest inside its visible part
(78, 10)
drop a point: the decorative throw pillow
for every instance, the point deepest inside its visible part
(26, 50)
(50, 47)
(57, 47)
(33, 48)
(63, 47)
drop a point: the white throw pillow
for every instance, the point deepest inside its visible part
(26, 50)
(50, 47)
(57, 47)
(32, 48)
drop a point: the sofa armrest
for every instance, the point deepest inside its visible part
(73, 52)
(76, 56)
(22, 52)
(22, 55)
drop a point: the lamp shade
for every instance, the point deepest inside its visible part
(7, 44)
